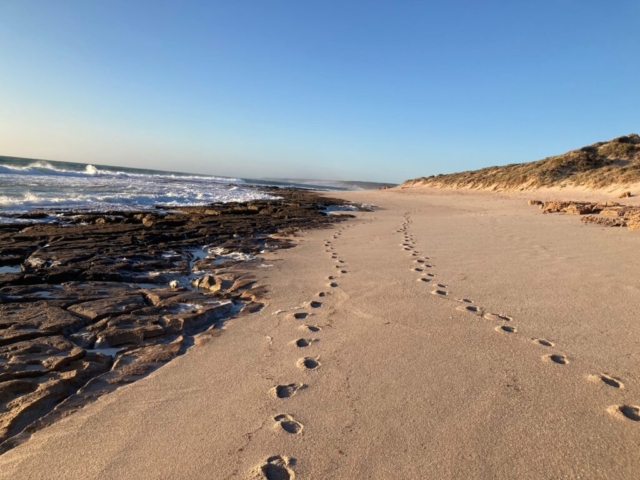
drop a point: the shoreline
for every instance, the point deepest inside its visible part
(103, 299)
(460, 336)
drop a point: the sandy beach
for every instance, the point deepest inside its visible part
(445, 335)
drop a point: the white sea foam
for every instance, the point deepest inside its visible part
(41, 185)
(330, 209)
(220, 256)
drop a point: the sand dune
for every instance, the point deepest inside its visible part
(444, 336)
(614, 165)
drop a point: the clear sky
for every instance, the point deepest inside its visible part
(351, 90)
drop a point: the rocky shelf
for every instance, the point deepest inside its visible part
(93, 301)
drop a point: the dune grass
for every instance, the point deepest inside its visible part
(616, 162)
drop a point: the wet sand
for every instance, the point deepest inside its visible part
(462, 335)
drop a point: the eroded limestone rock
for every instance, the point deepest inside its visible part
(89, 308)
(598, 213)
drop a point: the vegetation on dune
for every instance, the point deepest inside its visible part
(616, 162)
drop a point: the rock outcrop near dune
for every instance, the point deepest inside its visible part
(603, 164)
(609, 214)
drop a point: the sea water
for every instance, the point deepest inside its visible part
(27, 185)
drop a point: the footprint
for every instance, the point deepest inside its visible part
(431, 274)
(322, 294)
(424, 280)
(441, 285)
(304, 342)
(470, 308)
(419, 261)
(300, 315)
(315, 304)
(286, 391)
(543, 342)
(508, 329)
(288, 424)
(275, 468)
(308, 363)
(607, 380)
(333, 284)
(417, 269)
(496, 317)
(555, 358)
(344, 272)
(440, 292)
(464, 300)
(629, 412)
(331, 277)
(310, 328)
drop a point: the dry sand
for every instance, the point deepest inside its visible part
(408, 385)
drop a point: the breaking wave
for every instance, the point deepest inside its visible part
(38, 185)
(45, 168)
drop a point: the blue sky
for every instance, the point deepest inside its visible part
(373, 90)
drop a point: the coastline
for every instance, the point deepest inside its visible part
(96, 300)
(462, 336)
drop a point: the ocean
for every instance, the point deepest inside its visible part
(28, 184)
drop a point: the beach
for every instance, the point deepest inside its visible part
(444, 335)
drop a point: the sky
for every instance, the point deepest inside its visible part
(346, 90)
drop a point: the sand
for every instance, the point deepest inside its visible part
(404, 383)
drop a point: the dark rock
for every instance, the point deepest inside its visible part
(23, 322)
(97, 309)
(24, 400)
(32, 358)
(84, 340)
(87, 285)
(114, 337)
